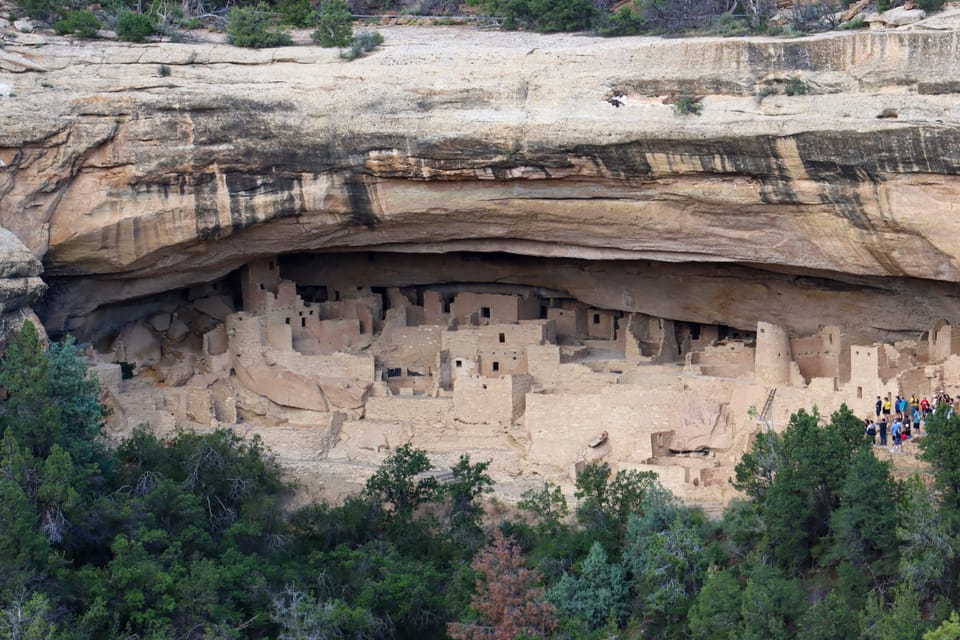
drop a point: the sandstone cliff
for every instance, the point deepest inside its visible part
(135, 169)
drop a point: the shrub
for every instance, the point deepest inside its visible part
(687, 105)
(678, 15)
(83, 24)
(563, 15)
(364, 42)
(795, 87)
(298, 13)
(369, 40)
(249, 27)
(135, 27)
(856, 23)
(542, 15)
(625, 22)
(765, 90)
(931, 5)
(41, 9)
(352, 52)
(729, 25)
(513, 14)
(334, 24)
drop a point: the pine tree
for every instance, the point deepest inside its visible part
(507, 602)
(600, 594)
(28, 413)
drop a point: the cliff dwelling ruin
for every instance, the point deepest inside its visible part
(483, 254)
(333, 363)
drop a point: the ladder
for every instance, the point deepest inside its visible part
(767, 405)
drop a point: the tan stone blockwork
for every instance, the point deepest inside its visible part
(489, 308)
(601, 323)
(570, 322)
(412, 347)
(462, 343)
(413, 410)
(674, 478)
(561, 425)
(944, 341)
(773, 354)
(501, 362)
(818, 356)
(649, 339)
(732, 360)
(259, 282)
(525, 333)
(543, 362)
(481, 400)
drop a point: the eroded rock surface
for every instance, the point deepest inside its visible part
(136, 169)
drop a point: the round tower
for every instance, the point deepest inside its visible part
(773, 355)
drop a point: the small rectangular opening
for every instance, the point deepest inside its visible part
(484, 312)
(459, 363)
(503, 337)
(859, 392)
(394, 373)
(496, 366)
(446, 307)
(596, 318)
(303, 322)
(287, 320)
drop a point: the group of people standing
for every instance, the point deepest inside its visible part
(899, 418)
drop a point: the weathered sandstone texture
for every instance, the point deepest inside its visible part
(20, 286)
(135, 169)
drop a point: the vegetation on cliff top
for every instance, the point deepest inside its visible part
(189, 537)
(257, 24)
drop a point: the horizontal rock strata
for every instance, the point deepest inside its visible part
(132, 170)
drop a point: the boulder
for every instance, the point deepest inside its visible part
(896, 17)
(217, 307)
(137, 344)
(160, 322)
(178, 330)
(282, 386)
(179, 374)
